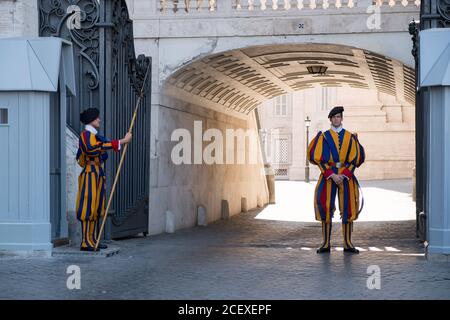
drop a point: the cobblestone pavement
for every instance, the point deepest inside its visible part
(240, 258)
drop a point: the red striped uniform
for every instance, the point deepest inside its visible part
(92, 182)
(326, 150)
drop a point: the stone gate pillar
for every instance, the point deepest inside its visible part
(434, 72)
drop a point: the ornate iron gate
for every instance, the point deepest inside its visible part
(109, 76)
(433, 14)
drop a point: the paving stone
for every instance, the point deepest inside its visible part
(240, 258)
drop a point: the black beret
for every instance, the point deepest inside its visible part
(89, 115)
(335, 111)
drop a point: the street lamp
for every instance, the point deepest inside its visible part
(307, 124)
(317, 70)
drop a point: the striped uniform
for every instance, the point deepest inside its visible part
(92, 182)
(326, 150)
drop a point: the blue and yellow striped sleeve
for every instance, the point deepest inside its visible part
(357, 154)
(318, 154)
(92, 145)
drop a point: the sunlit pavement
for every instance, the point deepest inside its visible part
(387, 200)
(247, 257)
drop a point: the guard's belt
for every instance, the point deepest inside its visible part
(337, 164)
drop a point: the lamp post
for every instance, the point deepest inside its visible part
(263, 133)
(307, 124)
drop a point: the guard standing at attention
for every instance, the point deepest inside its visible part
(92, 153)
(337, 152)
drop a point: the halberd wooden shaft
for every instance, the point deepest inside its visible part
(122, 157)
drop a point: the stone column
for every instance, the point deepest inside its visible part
(434, 73)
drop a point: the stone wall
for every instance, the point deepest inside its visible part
(18, 18)
(72, 172)
(180, 189)
(175, 40)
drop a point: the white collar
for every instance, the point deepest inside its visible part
(90, 128)
(336, 129)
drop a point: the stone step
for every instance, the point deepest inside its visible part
(74, 251)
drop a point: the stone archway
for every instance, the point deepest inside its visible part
(223, 89)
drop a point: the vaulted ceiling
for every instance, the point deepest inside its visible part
(242, 79)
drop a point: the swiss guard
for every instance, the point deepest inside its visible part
(337, 152)
(92, 153)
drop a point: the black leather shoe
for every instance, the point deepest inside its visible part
(323, 250)
(102, 246)
(351, 250)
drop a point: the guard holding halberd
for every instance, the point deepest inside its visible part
(92, 153)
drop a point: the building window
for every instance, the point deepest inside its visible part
(281, 172)
(3, 116)
(281, 105)
(281, 151)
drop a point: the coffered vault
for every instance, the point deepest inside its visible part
(241, 79)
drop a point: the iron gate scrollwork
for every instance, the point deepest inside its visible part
(54, 19)
(110, 77)
(434, 14)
